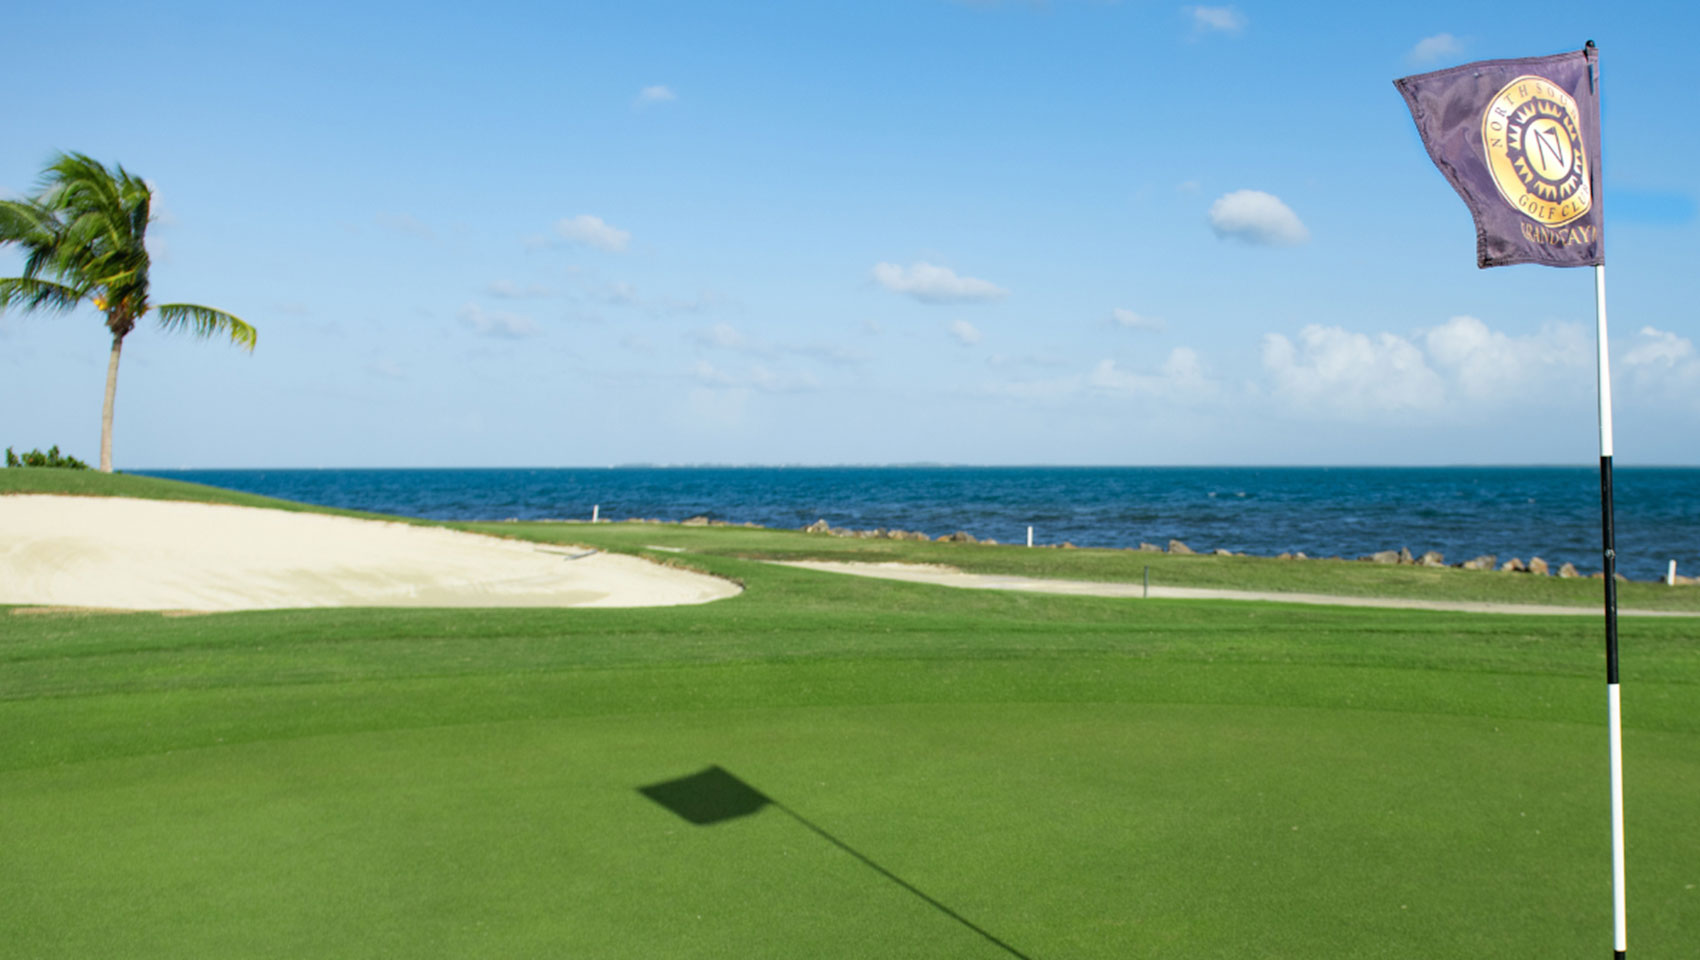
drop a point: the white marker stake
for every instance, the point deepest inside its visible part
(1029, 535)
(1670, 575)
(596, 513)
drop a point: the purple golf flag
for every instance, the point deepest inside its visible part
(1520, 142)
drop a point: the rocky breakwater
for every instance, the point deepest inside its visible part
(962, 536)
(1489, 562)
(1535, 566)
(881, 533)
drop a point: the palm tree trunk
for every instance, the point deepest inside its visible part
(106, 411)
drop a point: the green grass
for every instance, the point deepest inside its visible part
(1330, 577)
(1078, 777)
(92, 483)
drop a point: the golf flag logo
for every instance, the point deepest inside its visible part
(1533, 137)
(1519, 141)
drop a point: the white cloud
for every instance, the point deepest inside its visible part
(502, 326)
(1485, 363)
(1109, 377)
(1438, 47)
(933, 284)
(161, 214)
(1133, 321)
(1663, 366)
(1257, 218)
(658, 93)
(508, 290)
(1216, 19)
(965, 333)
(1350, 376)
(1660, 349)
(592, 231)
(1181, 379)
(1461, 374)
(1183, 366)
(1458, 370)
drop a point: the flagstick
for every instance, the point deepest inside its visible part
(1613, 706)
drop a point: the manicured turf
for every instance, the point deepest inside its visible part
(92, 483)
(1074, 777)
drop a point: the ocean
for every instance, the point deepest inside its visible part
(1551, 512)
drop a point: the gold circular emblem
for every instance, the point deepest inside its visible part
(1532, 133)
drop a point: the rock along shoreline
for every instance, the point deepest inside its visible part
(1534, 566)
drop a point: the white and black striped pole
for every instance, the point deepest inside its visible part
(1472, 141)
(1614, 721)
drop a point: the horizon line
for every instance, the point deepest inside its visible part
(942, 465)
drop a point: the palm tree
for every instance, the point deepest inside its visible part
(82, 236)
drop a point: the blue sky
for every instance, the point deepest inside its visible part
(881, 232)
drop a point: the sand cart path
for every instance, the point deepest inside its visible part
(951, 577)
(132, 554)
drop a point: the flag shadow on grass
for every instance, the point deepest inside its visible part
(714, 796)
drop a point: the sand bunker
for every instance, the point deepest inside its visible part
(952, 577)
(117, 552)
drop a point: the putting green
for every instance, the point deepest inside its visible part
(1059, 829)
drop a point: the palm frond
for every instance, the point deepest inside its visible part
(35, 294)
(138, 200)
(112, 206)
(81, 181)
(206, 322)
(26, 222)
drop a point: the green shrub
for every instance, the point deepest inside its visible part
(52, 458)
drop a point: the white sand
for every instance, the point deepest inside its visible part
(952, 577)
(123, 553)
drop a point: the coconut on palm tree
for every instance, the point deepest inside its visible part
(83, 239)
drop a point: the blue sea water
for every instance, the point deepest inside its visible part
(1551, 512)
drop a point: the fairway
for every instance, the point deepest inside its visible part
(951, 774)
